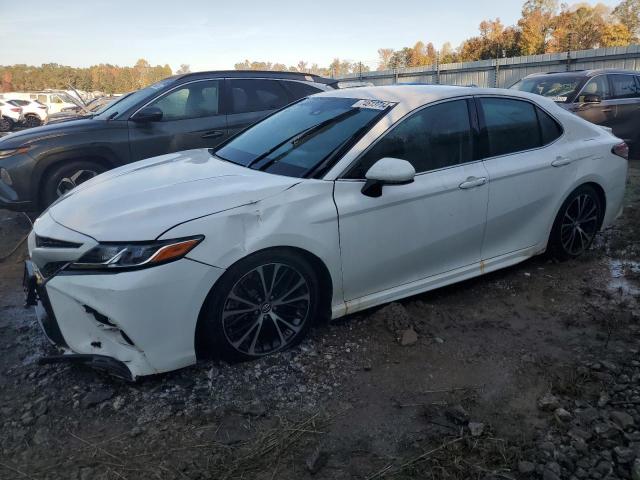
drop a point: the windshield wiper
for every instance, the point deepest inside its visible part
(300, 137)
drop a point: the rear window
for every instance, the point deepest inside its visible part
(625, 86)
(299, 89)
(248, 95)
(515, 126)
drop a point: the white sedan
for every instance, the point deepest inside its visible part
(339, 202)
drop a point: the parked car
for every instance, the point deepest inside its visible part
(606, 97)
(10, 115)
(342, 201)
(54, 100)
(34, 112)
(74, 113)
(187, 111)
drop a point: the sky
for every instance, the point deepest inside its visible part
(215, 35)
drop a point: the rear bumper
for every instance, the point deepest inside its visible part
(140, 321)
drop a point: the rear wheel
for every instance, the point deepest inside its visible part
(67, 177)
(5, 124)
(576, 224)
(263, 304)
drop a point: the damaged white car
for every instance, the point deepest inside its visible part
(339, 202)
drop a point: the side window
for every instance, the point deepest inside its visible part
(193, 100)
(624, 86)
(512, 125)
(256, 95)
(596, 86)
(435, 137)
(299, 89)
(549, 128)
(42, 98)
(55, 99)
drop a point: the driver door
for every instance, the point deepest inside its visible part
(428, 227)
(191, 118)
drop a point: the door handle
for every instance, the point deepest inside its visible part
(213, 134)
(560, 161)
(606, 110)
(473, 182)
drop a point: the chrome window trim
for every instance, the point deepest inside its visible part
(535, 105)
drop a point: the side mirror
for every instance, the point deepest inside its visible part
(387, 171)
(592, 98)
(148, 114)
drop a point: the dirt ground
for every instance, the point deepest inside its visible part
(530, 372)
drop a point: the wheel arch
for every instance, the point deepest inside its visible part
(326, 289)
(52, 162)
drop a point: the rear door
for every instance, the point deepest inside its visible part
(626, 94)
(192, 118)
(528, 169)
(252, 99)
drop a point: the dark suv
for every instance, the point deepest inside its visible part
(607, 97)
(196, 110)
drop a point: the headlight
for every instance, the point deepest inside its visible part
(12, 151)
(113, 256)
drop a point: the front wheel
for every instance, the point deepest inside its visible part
(32, 121)
(66, 177)
(263, 304)
(576, 224)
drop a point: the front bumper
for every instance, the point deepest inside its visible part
(142, 322)
(15, 183)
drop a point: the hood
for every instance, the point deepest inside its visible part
(142, 200)
(33, 135)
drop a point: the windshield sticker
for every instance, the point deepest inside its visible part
(372, 104)
(559, 99)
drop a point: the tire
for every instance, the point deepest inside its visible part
(5, 124)
(66, 177)
(576, 224)
(238, 323)
(31, 121)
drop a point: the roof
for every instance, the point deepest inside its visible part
(308, 77)
(413, 96)
(585, 73)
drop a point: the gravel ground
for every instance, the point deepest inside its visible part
(530, 372)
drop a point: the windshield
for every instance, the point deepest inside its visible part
(303, 136)
(559, 88)
(67, 98)
(125, 102)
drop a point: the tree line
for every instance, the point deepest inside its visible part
(545, 26)
(104, 77)
(335, 68)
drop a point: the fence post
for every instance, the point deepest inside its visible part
(438, 67)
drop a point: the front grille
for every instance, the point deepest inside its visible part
(46, 242)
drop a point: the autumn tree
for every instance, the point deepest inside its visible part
(628, 14)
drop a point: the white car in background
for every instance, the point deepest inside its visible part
(10, 115)
(34, 112)
(342, 201)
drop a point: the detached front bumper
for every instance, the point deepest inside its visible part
(131, 323)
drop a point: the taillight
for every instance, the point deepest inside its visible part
(16, 110)
(621, 150)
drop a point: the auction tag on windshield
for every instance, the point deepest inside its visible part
(372, 104)
(559, 99)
